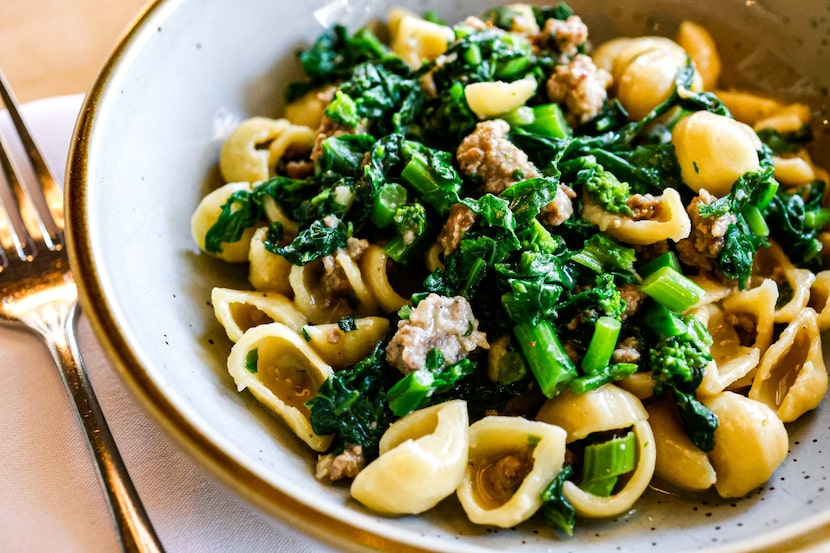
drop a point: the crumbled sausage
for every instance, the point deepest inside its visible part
(633, 297)
(438, 322)
(488, 156)
(460, 219)
(627, 351)
(560, 208)
(706, 240)
(643, 206)
(580, 86)
(565, 35)
(345, 465)
(333, 281)
(503, 478)
(299, 168)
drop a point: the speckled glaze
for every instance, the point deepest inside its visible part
(145, 152)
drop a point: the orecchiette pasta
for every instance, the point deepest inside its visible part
(699, 44)
(669, 222)
(206, 215)
(791, 377)
(679, 462)
(342, 348)
(714, 150)
(606, 408)
(731, 360)
(374, 265)
(488, 99)
(282, 372)
(820, 299)
(750, 443)
(331, 288)
(239, 310)
(511, 461)
(266, 271)
(422, 460)
(416, 40)
(244, 156)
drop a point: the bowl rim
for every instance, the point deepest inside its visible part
(314, 522)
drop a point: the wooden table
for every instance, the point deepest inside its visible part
(55, 47)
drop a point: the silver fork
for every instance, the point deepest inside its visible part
(37, 291)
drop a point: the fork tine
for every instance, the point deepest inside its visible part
(23, 244)
(46, 199)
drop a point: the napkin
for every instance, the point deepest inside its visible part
(50, 497)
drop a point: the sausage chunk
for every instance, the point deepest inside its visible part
(706, 240)
(581, 87)
(439, 322)
(489, 157)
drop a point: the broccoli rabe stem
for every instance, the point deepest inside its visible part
(390, 197)
(601, 347)
(548, 360)
(605, 462)
(610, 373)
(668, 259)
(755, 220)
(672, 288)
(417, 174)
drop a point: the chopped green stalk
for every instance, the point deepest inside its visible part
(603, 254)
(755, 220)
(410, 391)
(549, 121)
(603, 342)
(547, 358)
(472, 55)
(605, 462)
(611, 373)
(664, 322)
(817, 218)
(400, 250)
(518, 117)
(672, 289)
(428, 185)
(390, 197)
(668, 259)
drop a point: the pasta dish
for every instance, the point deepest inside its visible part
(492, 259)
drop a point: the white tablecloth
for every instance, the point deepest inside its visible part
(50, 498)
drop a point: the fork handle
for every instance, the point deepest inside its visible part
(131, 521)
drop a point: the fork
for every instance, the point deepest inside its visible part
(38, 292)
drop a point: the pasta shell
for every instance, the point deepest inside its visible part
(700, 46)
(243, 157)
(590, 505)
(342, 349)
(491, 98)
(750, 443)
(239, 310)
(714, 150)
(791, 377)
(422, 460)
(416, 39)
(671, 222)
(374, 264)
(799, 281)
(820, 299)
(608, 407)
(206, 215)
(325, 303)
(267, 270)
(282, 372)
(511, 461)
(679, 462)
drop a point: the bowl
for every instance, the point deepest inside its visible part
(145, 152)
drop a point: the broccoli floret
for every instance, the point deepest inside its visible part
(677, 364)
(604, 187)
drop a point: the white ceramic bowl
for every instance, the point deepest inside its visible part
(145, 152)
